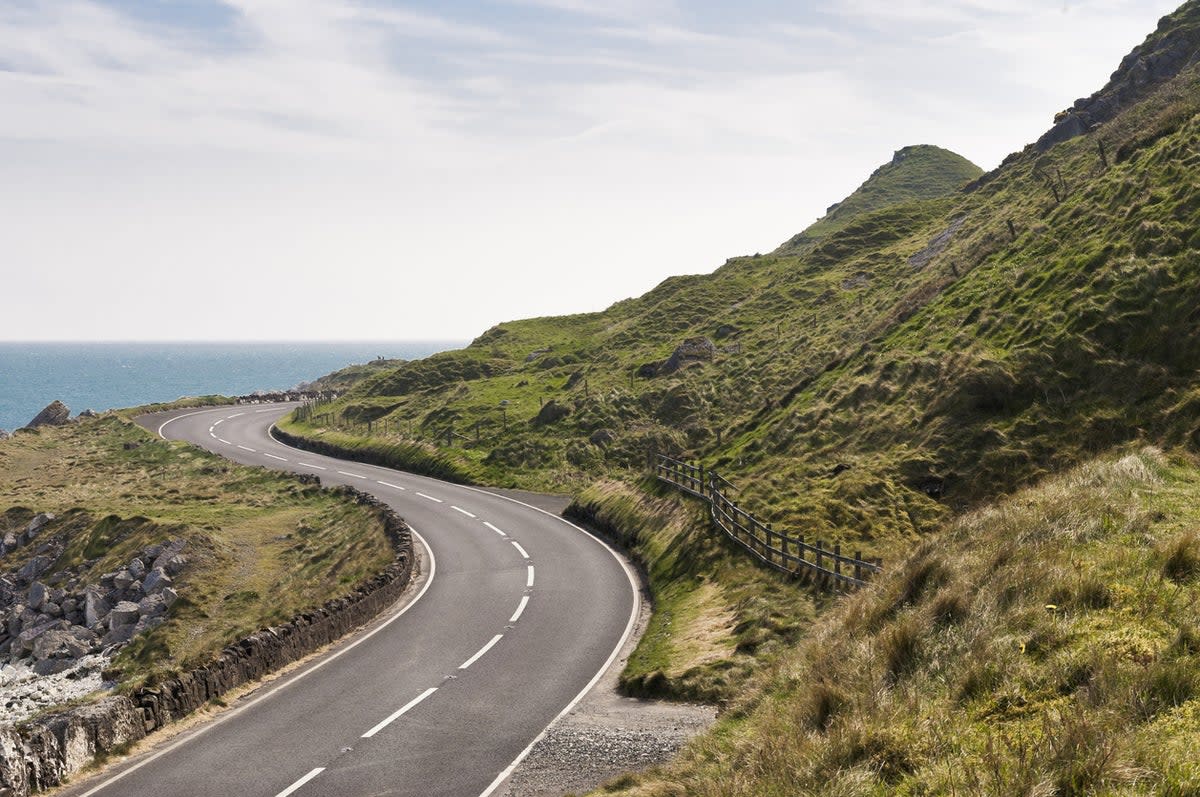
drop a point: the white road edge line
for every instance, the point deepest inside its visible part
(273, 409)
(301, 782)
(393, 486)
(520, 609)
(529, 580)
(306, 465)
(482, 650)
(460, 509)
(493, 528)
(235, 712)
(524, 553)
(635, 607)
(272, 456)
(352, 475)
(397, 714)
(247, 448)
(431, 498)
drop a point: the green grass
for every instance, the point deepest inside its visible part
(718, 617)
(261, 546)
(1037, 646)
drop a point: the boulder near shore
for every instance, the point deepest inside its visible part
(55, 414)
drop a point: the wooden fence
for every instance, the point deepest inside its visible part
(780, 550)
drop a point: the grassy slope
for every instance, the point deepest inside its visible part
(963, 374)
(1046, 645)
(261, 546)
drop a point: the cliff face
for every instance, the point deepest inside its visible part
(1174, 46)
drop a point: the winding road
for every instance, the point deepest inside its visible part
(518, 614)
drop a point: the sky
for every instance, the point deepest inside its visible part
(385, 170)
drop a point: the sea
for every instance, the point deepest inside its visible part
(101, 376)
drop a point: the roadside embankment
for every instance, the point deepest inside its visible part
(44, 752)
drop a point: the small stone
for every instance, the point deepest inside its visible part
(124, 613)
(169, 595)
(136, 568)
(95, 607)
(156, 580)
(123, 580)
(39, 594)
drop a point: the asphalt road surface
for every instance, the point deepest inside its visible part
(519, 615)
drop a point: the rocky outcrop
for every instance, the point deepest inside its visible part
(55, 414)
(4, 435)
(1166, 53)
(44, 753)
(49, 622)
(692, 350)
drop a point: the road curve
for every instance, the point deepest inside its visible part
(520, 614)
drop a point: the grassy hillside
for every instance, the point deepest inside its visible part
(261, 546)
(1047, 645)
(947, 349)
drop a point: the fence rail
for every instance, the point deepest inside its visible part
(783, 551)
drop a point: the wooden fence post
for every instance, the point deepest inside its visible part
(837, 563)
(858, 565)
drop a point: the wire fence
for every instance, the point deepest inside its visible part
(783, 551)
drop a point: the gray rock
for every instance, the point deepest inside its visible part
(55, 414)
(171, 549)
(95, 608)
(152, 604)
(52, 609)
(39, 595)
(119, 635)
(4, 435)
(156, 580)
(123, 580)
(38, 523)
(136, 568)
(124, 613)
(176, 564)
(692, 350)
(169, 595)
(34, 568)
(52, 666)
(58, 643)
(28, 638)
(89, 413)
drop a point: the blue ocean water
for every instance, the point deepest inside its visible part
(103, 376)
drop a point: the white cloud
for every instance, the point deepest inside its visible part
(398, 172)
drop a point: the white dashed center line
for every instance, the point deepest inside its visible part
(306, 465)
(226, 442)
(352, 475)
(218, 423)
(301, 782)
(393, 486)
(493, 528)
(272, 456)
(520, 550)
(247, 448)
(431, 498)
(520, 609)
(236, 415)
(400, 712)
(460, 509)
(482, 650)
(529, 580)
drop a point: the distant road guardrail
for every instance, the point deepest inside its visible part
(786, 552)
